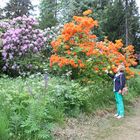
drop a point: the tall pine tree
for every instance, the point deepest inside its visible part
(133, 24)
(75, 7)
(113, 20)
(48, 13)
(120, 19)
(15, 8)
(1, 13)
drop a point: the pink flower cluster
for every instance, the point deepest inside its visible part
(21, 40)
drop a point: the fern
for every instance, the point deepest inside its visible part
(4, 123)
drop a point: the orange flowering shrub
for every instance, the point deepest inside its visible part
(87, 12)
(78, 50)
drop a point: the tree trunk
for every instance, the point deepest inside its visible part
(126, 23)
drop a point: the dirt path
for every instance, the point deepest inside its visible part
(102, 128)
(125, 129)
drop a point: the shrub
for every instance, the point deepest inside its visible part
(50, 34)
(138, 67)
(77, 51)
(22, 45)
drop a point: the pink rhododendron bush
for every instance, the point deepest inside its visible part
(22, 45)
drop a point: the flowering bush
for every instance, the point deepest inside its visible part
(51, 34)
(78, 51)
(22, 44)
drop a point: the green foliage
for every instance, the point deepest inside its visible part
(138, 67)
(48, 9)
(1, 15)
(133, 24)
(4, 126)
(112, 15)
(74, 7)
(30, 109)
(113, 19)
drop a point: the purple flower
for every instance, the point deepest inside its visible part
(4, 54)
(17, 31)
(4, 68)
(10, 56)
(29, 66)
(27, 30)
(34, 36)
(29, 27)
(25, 47)
(6, 47)
(35, 49)
(31, 45)
(20, 53)
(39, 40)
(18, 18)
(14, 66)
(36, 43)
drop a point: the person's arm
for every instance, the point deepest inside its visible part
(109, 74)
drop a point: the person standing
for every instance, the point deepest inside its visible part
(119, 81)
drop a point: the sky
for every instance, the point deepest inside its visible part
(36, 2)
(138, 4)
